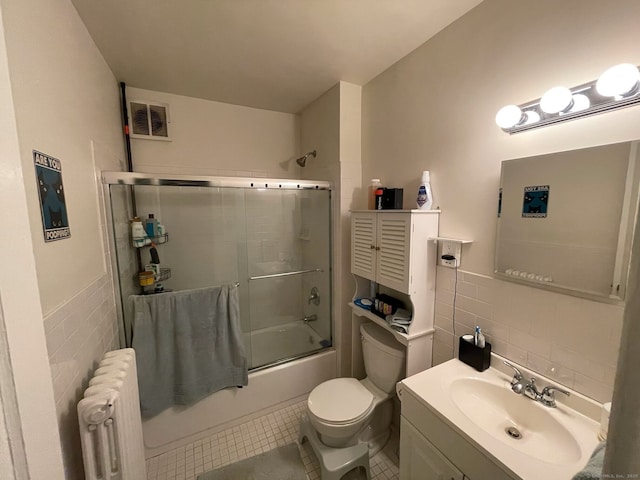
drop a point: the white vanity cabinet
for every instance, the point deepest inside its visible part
(395, 249)
(430, 449)
(420, 460)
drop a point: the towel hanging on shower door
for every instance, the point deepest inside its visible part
(188, 345)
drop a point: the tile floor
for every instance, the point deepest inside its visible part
(270, 431)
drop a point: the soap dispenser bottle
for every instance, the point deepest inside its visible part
(425, 199)
(478, 337)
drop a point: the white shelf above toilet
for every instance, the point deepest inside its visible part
(403, 338)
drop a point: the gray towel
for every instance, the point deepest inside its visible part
(188, 344)
(593, 469)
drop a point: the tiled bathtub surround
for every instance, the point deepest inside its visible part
(78, 334)
(571, 340)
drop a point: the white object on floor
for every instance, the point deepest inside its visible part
(334, 462)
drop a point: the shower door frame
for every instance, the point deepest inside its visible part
(177, 180)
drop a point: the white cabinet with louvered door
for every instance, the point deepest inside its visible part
(363, 244)
(390, 246)
(393, 243)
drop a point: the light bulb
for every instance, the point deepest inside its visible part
(531, 117)
(580, 102)
(619, 80)
(556, 100)
(509, 116)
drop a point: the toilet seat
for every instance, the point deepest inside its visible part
(340, 401)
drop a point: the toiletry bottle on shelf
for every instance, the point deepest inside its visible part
(371, 199)
(154, 263)
(138, 233)
(379, 192)
(425, 199)
(151, 226)
(479, 337)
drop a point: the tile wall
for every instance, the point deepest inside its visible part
(571, 340)
(78, 334)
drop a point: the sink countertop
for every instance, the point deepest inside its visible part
(576, 426)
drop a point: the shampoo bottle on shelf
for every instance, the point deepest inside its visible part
(151, 226)
(138, 233)
(375, 184)
(425, 199)
(379, 192)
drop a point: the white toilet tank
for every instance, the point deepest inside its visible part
(383, 357)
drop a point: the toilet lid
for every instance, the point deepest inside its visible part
(341, 400)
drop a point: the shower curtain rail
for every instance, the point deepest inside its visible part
(162, 179)
(287, 274)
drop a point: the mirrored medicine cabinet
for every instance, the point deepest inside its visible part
(566, 220)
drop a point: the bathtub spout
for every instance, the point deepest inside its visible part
(310, 318)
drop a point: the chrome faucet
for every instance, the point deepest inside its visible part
(530, 390)
(314, 296)
(547, 397)
(516, 381)
(310, 318)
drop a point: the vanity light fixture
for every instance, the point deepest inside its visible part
(617, 87)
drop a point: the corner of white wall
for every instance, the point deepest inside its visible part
(23, 327)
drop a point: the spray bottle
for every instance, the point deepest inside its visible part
(425, 199)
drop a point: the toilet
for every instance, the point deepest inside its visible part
(346, 411)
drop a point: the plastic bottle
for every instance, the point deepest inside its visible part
(375, 184)
(379, 192)
(151, 226)
(425, 199)
(479, 337)
(138, 233)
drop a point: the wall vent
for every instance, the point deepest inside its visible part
(149, 120)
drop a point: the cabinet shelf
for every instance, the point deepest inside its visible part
(403, 338)
(454, 240)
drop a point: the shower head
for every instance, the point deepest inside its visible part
(303, 160)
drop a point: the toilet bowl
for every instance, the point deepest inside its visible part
(347, 411)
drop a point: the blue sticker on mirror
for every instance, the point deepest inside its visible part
(536, 201)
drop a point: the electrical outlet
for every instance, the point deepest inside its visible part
(449, 248)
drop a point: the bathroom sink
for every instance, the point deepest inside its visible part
(526, 439)
(514, 420)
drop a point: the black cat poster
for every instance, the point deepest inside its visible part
(55, 222)
(536, 201)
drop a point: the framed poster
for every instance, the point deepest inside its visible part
(55, 223)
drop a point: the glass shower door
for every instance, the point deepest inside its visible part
(288, 258)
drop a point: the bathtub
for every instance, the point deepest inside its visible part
(272, 344)
(269, 388)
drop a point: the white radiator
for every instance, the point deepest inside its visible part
(110, 423)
